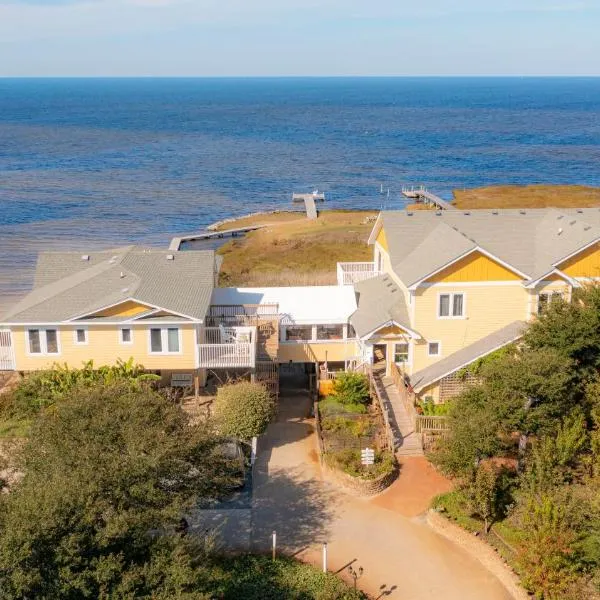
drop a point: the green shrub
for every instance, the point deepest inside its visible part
(431, 409)
(351, 388)
(349, 461)
(243, 410)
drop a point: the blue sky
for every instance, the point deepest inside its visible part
(298, 37)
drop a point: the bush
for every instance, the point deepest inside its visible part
(243, 410)
(354, 427)
(431, 409)
(351, 388)
(349, 461)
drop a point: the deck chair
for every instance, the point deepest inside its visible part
(226, 337)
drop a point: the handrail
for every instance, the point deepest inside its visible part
(383, 405)
(406, 396)
(425, 423)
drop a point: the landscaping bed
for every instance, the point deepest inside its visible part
(349, 421)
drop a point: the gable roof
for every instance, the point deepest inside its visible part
(67, 286)
(457, 360)
(380, 303)
(530, 242)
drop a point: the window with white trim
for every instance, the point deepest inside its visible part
(165, 340)
(126, 335)
(80, 336)
(433, 349)
(43, 341)
(451, 305)
(546, 298)
(401, 353)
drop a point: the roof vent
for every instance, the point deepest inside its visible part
(560, 230)
(121, 275)
(572, 222)
(438, 213)
(124, 290)
(170, 257)
(587, 227)
(409, 214)
(560, 217)
(494, 212)
(580, 211)
(522, 212)
(467, 212)
(85, 257)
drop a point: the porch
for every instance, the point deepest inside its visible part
(227, 347)
(349, 273)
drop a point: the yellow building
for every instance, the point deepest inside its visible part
(448, 287)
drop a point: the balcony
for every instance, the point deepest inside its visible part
(227, 347)
(349, 273)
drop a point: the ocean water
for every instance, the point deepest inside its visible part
(88, 163)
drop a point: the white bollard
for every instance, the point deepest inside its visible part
(274, 544)
(325, 557)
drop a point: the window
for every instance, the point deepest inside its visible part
(330, 332)
(43, 341)
(298, 333)
(433, 349)
(546, 298)
(126, 336)
(401, 353)
(80, 336)
(451, 306)
(164, 340)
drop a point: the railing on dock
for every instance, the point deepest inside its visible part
(349, 273)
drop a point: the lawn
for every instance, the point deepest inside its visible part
(296, 251)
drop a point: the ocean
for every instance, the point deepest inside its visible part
(86, 163)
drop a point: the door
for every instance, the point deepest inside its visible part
(380, 357)
(7, 356)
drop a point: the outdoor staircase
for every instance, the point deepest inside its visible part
(408, 441)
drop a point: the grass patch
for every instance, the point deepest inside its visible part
(332, 406)
(255, 577)
(297, 251)
(528, 196)
(14, 428)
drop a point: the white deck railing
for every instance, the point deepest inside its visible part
(7, 356)
(227, 347)
(349, 273)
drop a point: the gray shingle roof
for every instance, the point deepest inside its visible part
(66, 286)
(531, 241)
(380, 301)
(457, 360)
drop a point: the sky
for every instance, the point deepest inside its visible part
(298, 37)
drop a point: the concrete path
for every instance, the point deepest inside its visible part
(399, 555)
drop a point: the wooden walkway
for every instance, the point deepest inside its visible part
(408, 441)
(421, 193)
(309, 202)
(208, 235)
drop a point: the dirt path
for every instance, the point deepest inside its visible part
(399, 555)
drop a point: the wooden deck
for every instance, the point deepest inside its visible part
(309, 202)
(422, 194)
(208, 235)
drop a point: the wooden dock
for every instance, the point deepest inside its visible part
(421, 194)
(310, 202)
(209, 235)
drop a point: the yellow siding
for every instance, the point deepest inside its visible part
(315, 352)
(104, 348)
(487, 309)
(585, 264)
(382, 240)
(475, 267)
(125, 309)
(390, 331)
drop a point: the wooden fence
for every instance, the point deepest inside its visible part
(425, 423)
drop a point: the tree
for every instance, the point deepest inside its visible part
(243, 410)
(484, 494)
(108, 471)
(351, 388)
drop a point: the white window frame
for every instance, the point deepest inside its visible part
(408, 361)
(451, 296)
(164, 338)
(439, 352)
(86, 341)
(43, 342)
(121, 341)
(552, 296)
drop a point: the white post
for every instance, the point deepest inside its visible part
(325, 557)
(253, 451)
(274, 544)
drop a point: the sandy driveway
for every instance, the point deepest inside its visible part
(399, 554)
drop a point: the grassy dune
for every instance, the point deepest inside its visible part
(296, 251)
(528, 196)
